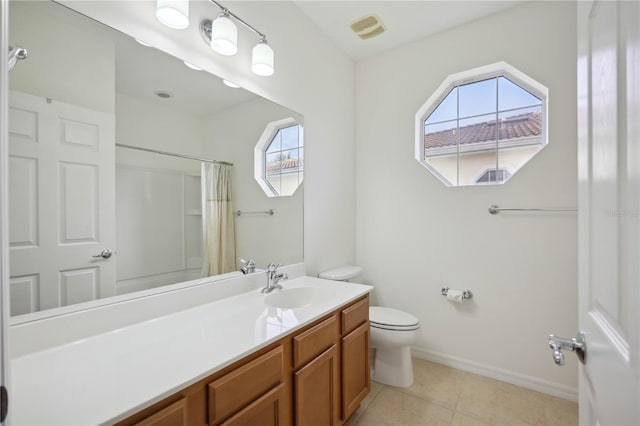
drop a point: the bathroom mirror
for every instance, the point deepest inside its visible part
(93, 216)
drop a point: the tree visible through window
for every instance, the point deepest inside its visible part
(494, 118)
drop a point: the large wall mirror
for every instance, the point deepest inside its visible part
(91, 215)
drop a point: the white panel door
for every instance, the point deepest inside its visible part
(609, 185)
(62, 203)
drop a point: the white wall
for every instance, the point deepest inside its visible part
(414, 235)
(86, 62)
(312, 77)
(233, 135)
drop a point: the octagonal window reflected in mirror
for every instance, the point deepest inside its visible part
(280, 158)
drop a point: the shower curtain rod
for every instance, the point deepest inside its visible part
(188, 157)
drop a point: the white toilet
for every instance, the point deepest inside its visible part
(392, 334)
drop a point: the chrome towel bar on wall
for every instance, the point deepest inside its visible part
(269, 212)
(494, 209)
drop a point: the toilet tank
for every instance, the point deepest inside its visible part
(343, 273)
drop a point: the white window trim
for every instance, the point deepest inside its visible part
(508, 167)
(476, 74)
(259, 153)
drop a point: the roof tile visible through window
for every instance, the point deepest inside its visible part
(514, 127)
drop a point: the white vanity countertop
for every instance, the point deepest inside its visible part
(108, 377)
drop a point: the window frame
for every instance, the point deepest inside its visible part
(498, 69)
(260, 154)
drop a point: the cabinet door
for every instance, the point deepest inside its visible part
(265, 411)
(356, 380)
(245, 384)
(173, 415)
(316, 388)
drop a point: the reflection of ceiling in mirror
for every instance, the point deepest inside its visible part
(141, 71)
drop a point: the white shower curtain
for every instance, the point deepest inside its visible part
(219, 237)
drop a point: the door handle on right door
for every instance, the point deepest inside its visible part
(576, 344)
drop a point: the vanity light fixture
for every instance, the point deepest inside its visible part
(262, 58)
(222, 36)
(230, 84)
(173, 13)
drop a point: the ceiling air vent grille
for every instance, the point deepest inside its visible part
(368, 27)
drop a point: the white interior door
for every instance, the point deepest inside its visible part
(61, 203)
(609, 182)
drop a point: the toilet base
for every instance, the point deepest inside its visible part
(392, 366)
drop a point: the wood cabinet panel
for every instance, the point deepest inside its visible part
(355, 315)
(311, 343)
(173, 415)
(316, 391)
(356, 380)
(314, 377)
(246, 383)
(265, 411)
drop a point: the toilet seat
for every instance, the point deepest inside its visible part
(392, 319)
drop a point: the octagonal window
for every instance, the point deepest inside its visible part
(279, 158)
(481, 126)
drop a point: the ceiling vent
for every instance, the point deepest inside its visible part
(368, 27)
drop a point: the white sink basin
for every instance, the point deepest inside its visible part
(295, 297)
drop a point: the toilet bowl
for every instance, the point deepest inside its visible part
(392, 334)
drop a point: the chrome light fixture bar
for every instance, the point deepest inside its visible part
(221, 35)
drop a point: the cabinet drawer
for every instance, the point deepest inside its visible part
(265, 411)
(355, 315)
(240, 387)
(314, 341)
(173, 415)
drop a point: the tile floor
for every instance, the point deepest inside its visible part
(445, 396)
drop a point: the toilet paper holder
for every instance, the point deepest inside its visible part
(466, 294)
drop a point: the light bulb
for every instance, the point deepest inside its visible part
(173, 13)
(193, 67)
(224, 35)
(262, 60)
(230, 84)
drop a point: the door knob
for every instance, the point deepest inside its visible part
(105, 254)
(576, 344)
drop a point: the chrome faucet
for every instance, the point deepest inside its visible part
(273, 277)
(248, 266)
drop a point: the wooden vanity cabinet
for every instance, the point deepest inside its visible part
(317, 376)
(174, 414)
(316, 379)
(355, 343)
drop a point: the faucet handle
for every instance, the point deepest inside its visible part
(273, 267)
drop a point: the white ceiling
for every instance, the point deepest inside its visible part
(405, 21)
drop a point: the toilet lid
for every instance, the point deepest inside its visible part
(393, 319)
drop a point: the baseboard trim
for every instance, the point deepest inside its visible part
(529, 382)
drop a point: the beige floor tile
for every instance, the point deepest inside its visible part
(460, 419)
(499, 403)
(375, 389)
(392, 407)
(436, 383)
(560, 412)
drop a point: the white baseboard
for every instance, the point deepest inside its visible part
(529, 382)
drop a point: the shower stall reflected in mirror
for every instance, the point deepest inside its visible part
(160, 227)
